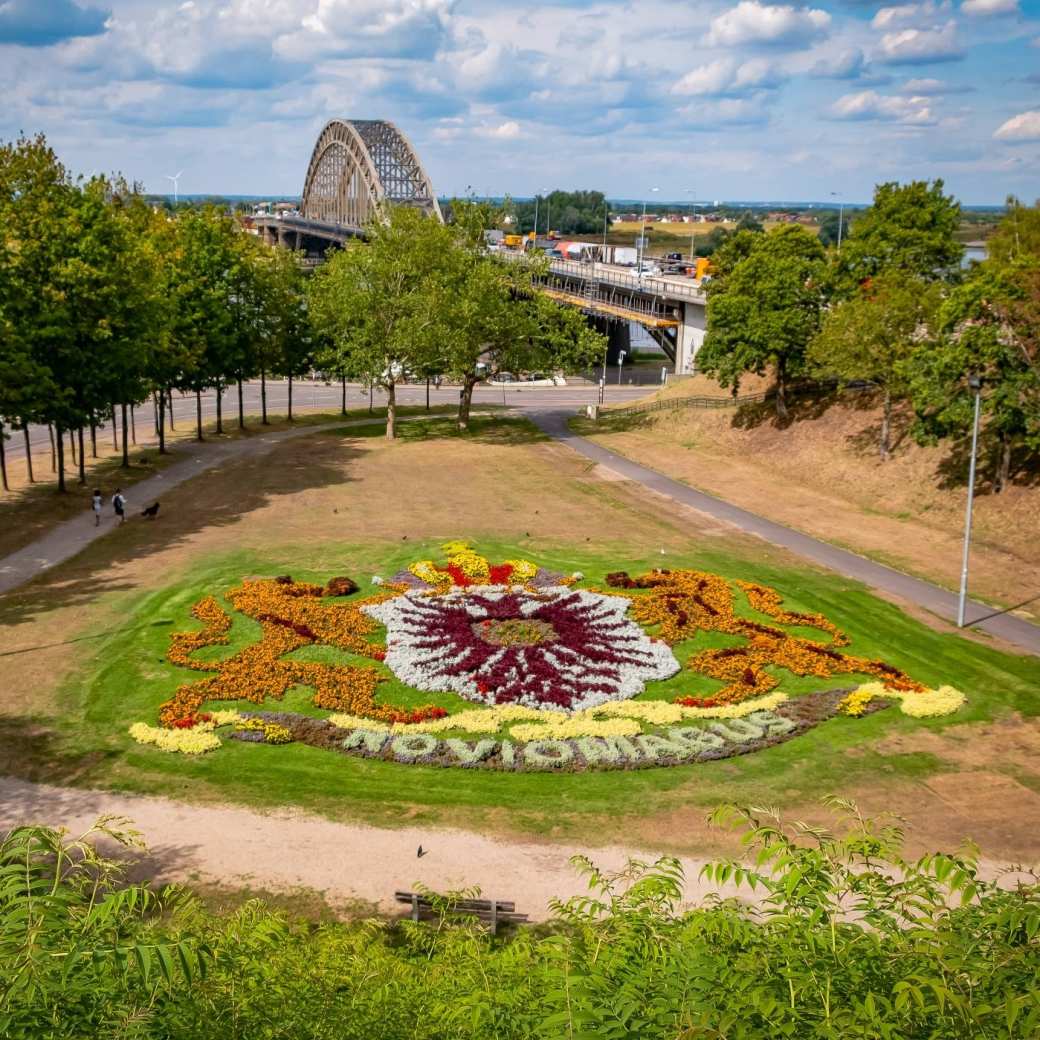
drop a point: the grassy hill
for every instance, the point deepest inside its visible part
(821, 474)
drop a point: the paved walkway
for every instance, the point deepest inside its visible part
(933, 598)
(73, 536)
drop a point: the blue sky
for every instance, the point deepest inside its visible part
(708, 100)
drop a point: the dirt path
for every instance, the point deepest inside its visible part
(1016, 631)
(289, 850)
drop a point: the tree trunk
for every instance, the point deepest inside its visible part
(133, 426)
(465, 402)
(61, 457)
(115, 440)
(781, 389)
(28, 452)
(391, 411)
(290, 398)
(263, 397)
(162, 422)
(886, 425)
(1004, 465)
(155, 413)
(54, 464)
(126, 446)
(427, 393)
(72, 446)
(82, 460)
(343, 398)
(3, 461)
(170, 396)
(220, 414)
(198, 415)
(241, 413)
(93, 438)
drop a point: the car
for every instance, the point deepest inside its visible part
(646, 268)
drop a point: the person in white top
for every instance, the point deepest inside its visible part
(97, 507)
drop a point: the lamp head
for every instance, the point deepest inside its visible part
(975, 382)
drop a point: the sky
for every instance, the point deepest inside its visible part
(701, 99)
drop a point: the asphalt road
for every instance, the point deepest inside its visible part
(312, 396)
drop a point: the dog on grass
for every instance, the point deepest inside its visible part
(151, 512)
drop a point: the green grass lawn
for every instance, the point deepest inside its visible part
(124, 677)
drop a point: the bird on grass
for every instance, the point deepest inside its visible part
(151, 512)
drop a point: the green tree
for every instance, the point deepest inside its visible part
(991, 326)
(908, 227)
(381, 303)
(202, 324)
(871, 337)
(1017, 235)
(765, 309)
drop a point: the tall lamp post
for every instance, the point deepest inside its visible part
(537, 199)
(975, 382)
(841, 215)
(692, 192)
(642, 235)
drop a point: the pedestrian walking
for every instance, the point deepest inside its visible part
(96, 504)
(119, 505)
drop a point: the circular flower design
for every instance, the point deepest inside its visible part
(497, 644)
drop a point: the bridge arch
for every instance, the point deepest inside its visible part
(356, 166)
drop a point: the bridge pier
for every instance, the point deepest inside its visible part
(689, 336)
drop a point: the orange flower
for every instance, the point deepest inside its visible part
(291, 615)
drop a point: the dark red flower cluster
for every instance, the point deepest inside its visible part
(298, 627)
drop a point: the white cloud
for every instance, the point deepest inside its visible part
(920, 15)
(504, 131)
(921, 46)
(729, 78)
(752, 22)
(933, 87)
(1023, 127)
(869, 105)
(985, 8)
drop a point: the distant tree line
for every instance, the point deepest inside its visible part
(569, 212)
(892, 308)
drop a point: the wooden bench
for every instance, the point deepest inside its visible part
(492, 911)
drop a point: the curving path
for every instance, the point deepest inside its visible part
(931, 597)
(286, 850)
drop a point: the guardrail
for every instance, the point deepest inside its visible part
(590, 271)
(675, 403)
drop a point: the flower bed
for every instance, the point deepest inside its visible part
(553, 668)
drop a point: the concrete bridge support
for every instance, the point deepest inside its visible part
(619, 337)
(689, 336)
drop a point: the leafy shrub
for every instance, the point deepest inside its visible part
(847, 939)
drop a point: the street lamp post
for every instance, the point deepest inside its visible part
(975, 382)
(841, 215)
(620, 362)
(642, 242)
(692, 192)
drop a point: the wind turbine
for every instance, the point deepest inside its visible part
(175, 178)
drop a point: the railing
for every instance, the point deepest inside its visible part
(590, 272)
(675, 403)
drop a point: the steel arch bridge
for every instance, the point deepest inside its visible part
(356, 167)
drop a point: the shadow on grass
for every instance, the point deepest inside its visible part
(952, 470)
(32, 750)
(482, 429)
(201, 502)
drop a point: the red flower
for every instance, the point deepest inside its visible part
(696, 702)
(500, 573)
(458, 576)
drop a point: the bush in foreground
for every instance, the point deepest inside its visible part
(845, 939)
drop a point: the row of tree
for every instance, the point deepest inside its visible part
(106, 301)
(892, 308)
